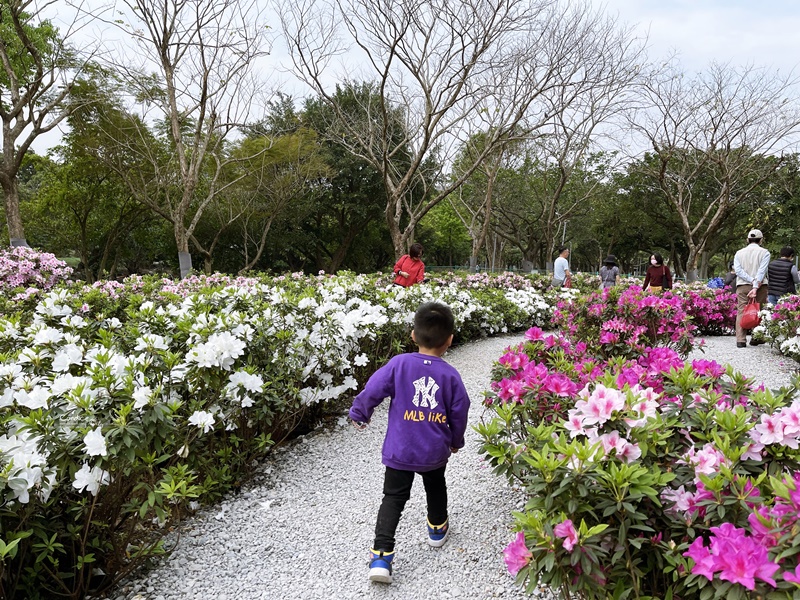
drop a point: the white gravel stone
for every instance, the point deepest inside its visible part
(303, 526)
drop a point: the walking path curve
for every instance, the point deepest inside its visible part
(301, 528)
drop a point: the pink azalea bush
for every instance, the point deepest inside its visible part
(624, 321)
(649, 474)
(24, 269)
(712, 311)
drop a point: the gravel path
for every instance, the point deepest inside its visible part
(301, 528)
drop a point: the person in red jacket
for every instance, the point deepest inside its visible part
(658, 276)
(410, 269)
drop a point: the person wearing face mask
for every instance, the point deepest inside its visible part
(658, 276)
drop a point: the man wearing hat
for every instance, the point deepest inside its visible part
(750, 264)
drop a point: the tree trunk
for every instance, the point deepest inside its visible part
(182, 242)
(704, 265)
(16, 233)
(691, 265)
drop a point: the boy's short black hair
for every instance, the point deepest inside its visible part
(787, 252)
(433, 324)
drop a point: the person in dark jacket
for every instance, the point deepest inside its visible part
(783, 276)
(658, 276)
(730, 279)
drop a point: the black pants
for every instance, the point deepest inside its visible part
(396, 492)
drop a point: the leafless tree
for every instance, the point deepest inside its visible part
(202, 54)
(728, 125)
(452, 69)
(39, 69)
(473, 201)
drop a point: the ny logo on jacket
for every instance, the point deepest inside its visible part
(425, 392)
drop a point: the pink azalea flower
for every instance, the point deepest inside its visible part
(754, 451)
(514, 360)
(609, 337)
(534, 334)
(770, 429)
(560, 385)
(683, 500)
(737, 557)
(567, 532)
(708, 367)
(516, 554)
(574, 424)
(793, 577)
(629, 452)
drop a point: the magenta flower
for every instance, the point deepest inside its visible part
(560, 385)
(566, 531)
(534, 334)
(793, 577)
(735, 556)
(516, 554)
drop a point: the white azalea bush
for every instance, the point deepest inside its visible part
(780, 326)
(123, 405)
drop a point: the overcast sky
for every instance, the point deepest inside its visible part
(762, 33)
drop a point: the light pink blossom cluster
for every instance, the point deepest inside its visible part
(25, 267)
(705, 461)
(599, 406)
(781, 427)
(195, 283)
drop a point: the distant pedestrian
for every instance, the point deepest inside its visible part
(783, 276)
(426, 425)
(730, 279)
(609, 272)
(751, 264)
(561, 274)
(410, 269)
(658, 276)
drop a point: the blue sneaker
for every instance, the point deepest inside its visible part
(437, 534)
(380, 566)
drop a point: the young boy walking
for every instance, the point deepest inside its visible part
(427, 421)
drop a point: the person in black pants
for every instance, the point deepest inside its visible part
(427, 421)
(783, 276)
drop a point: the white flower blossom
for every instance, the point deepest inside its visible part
(66, 356)
(34, 399)
(250, 382)
(203, 419)
(90, 479)
(95, 443)
(141, 397)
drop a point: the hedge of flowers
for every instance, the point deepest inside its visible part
(123, 405)
(780, 326)
(645, 476)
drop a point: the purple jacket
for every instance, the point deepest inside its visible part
(427, 414)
